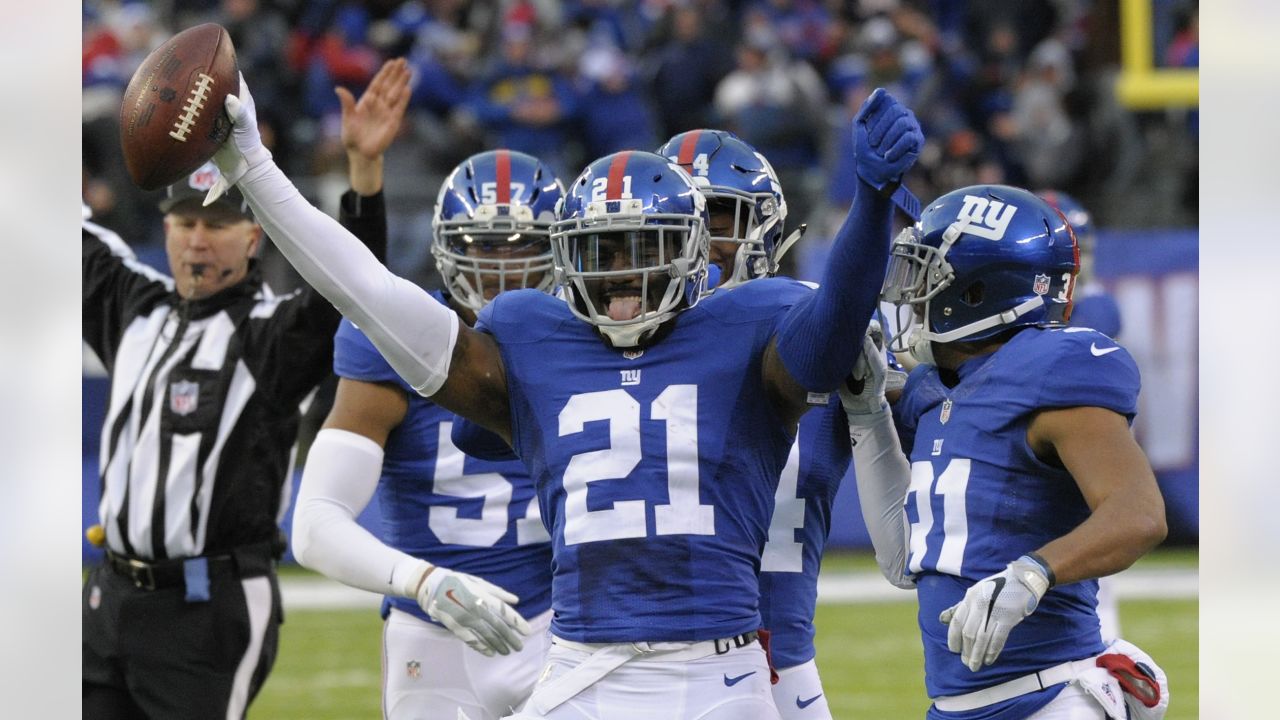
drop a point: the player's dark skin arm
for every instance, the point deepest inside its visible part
(477, 384)
(1128, 519)
(789, 398)
(369, 409)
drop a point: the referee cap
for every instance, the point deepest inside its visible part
(187, 196)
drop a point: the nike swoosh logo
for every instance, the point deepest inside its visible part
(802, 704)
(1093, 348)
(991, 604)
(449, 594)
(731, 681)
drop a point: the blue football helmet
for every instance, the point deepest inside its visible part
(1075, 213)
(1081, 224)
(630, 245)
(492, 226)
(981, 260)
(738, 181)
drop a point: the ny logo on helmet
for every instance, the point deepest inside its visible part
(986, 218)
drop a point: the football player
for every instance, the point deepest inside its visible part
(747, 211)
(490, 233)
(1092, 307)
(1026, 483)
(629, 399)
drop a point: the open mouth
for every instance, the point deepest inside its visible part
(622, 303)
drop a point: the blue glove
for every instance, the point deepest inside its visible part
(886, 141)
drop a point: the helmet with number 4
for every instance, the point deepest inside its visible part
(631, 245)
(492, 226)
(982, 259)
(742, 188)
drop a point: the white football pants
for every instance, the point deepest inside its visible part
(799, 694)
(1073, 703)
(428, 673)
(732, 686)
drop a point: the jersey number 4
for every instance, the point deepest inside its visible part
(951, 485)
(682, 514)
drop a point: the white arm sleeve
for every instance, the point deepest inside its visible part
(413, 332)
(340, 477)
(883, 476)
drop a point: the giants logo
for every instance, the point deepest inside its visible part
(986, 218)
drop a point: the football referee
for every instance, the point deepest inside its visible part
(208, 369)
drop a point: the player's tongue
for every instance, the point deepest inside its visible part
(623, 307)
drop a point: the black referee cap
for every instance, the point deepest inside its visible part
(187, 196)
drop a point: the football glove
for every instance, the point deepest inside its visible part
(886, 141)
(243, 149)
(477, 611)
(979, 625)
(862, 394)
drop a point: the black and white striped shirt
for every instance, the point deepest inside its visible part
(204, 405)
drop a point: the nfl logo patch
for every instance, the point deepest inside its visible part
(1041, 285)
(414, 669)
(632, 354)
(946, 412)
(184, 397)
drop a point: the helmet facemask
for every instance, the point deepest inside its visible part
(502, 248)
(755, 215)
(626, 272)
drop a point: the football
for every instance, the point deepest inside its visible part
(171, 119)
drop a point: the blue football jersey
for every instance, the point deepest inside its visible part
(798, 532)
(980, 498)
(438, 504)
(655, 468)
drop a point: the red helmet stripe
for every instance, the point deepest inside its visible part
(617, 168)
(503, 169)
(687, 146)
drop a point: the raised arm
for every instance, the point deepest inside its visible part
(881, 469)
(440, 357)
(819, 340)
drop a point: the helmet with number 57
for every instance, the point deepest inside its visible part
(492, 225)
(744, 201)
(630, 245)
(981, 260)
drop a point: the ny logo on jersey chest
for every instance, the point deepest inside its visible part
(630, 377)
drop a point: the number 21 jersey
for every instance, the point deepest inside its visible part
(655, 468)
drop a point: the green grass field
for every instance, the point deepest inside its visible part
(869, 655)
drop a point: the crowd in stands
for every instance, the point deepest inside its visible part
(1006, 92)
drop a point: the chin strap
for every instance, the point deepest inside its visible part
(782, 249)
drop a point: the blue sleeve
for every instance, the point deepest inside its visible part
(356, 358)
(475, 441)
(1091, 371)
(820, 338)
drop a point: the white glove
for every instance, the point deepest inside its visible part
(979, 625)
(864, 401)
(243, 149)
(475, 610)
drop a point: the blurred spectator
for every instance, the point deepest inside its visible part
(523, 106)
(800, 25)
(685, 71)
(779, 105)
(614, 115)
(1049, 145)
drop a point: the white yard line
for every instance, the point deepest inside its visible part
(318, 593)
